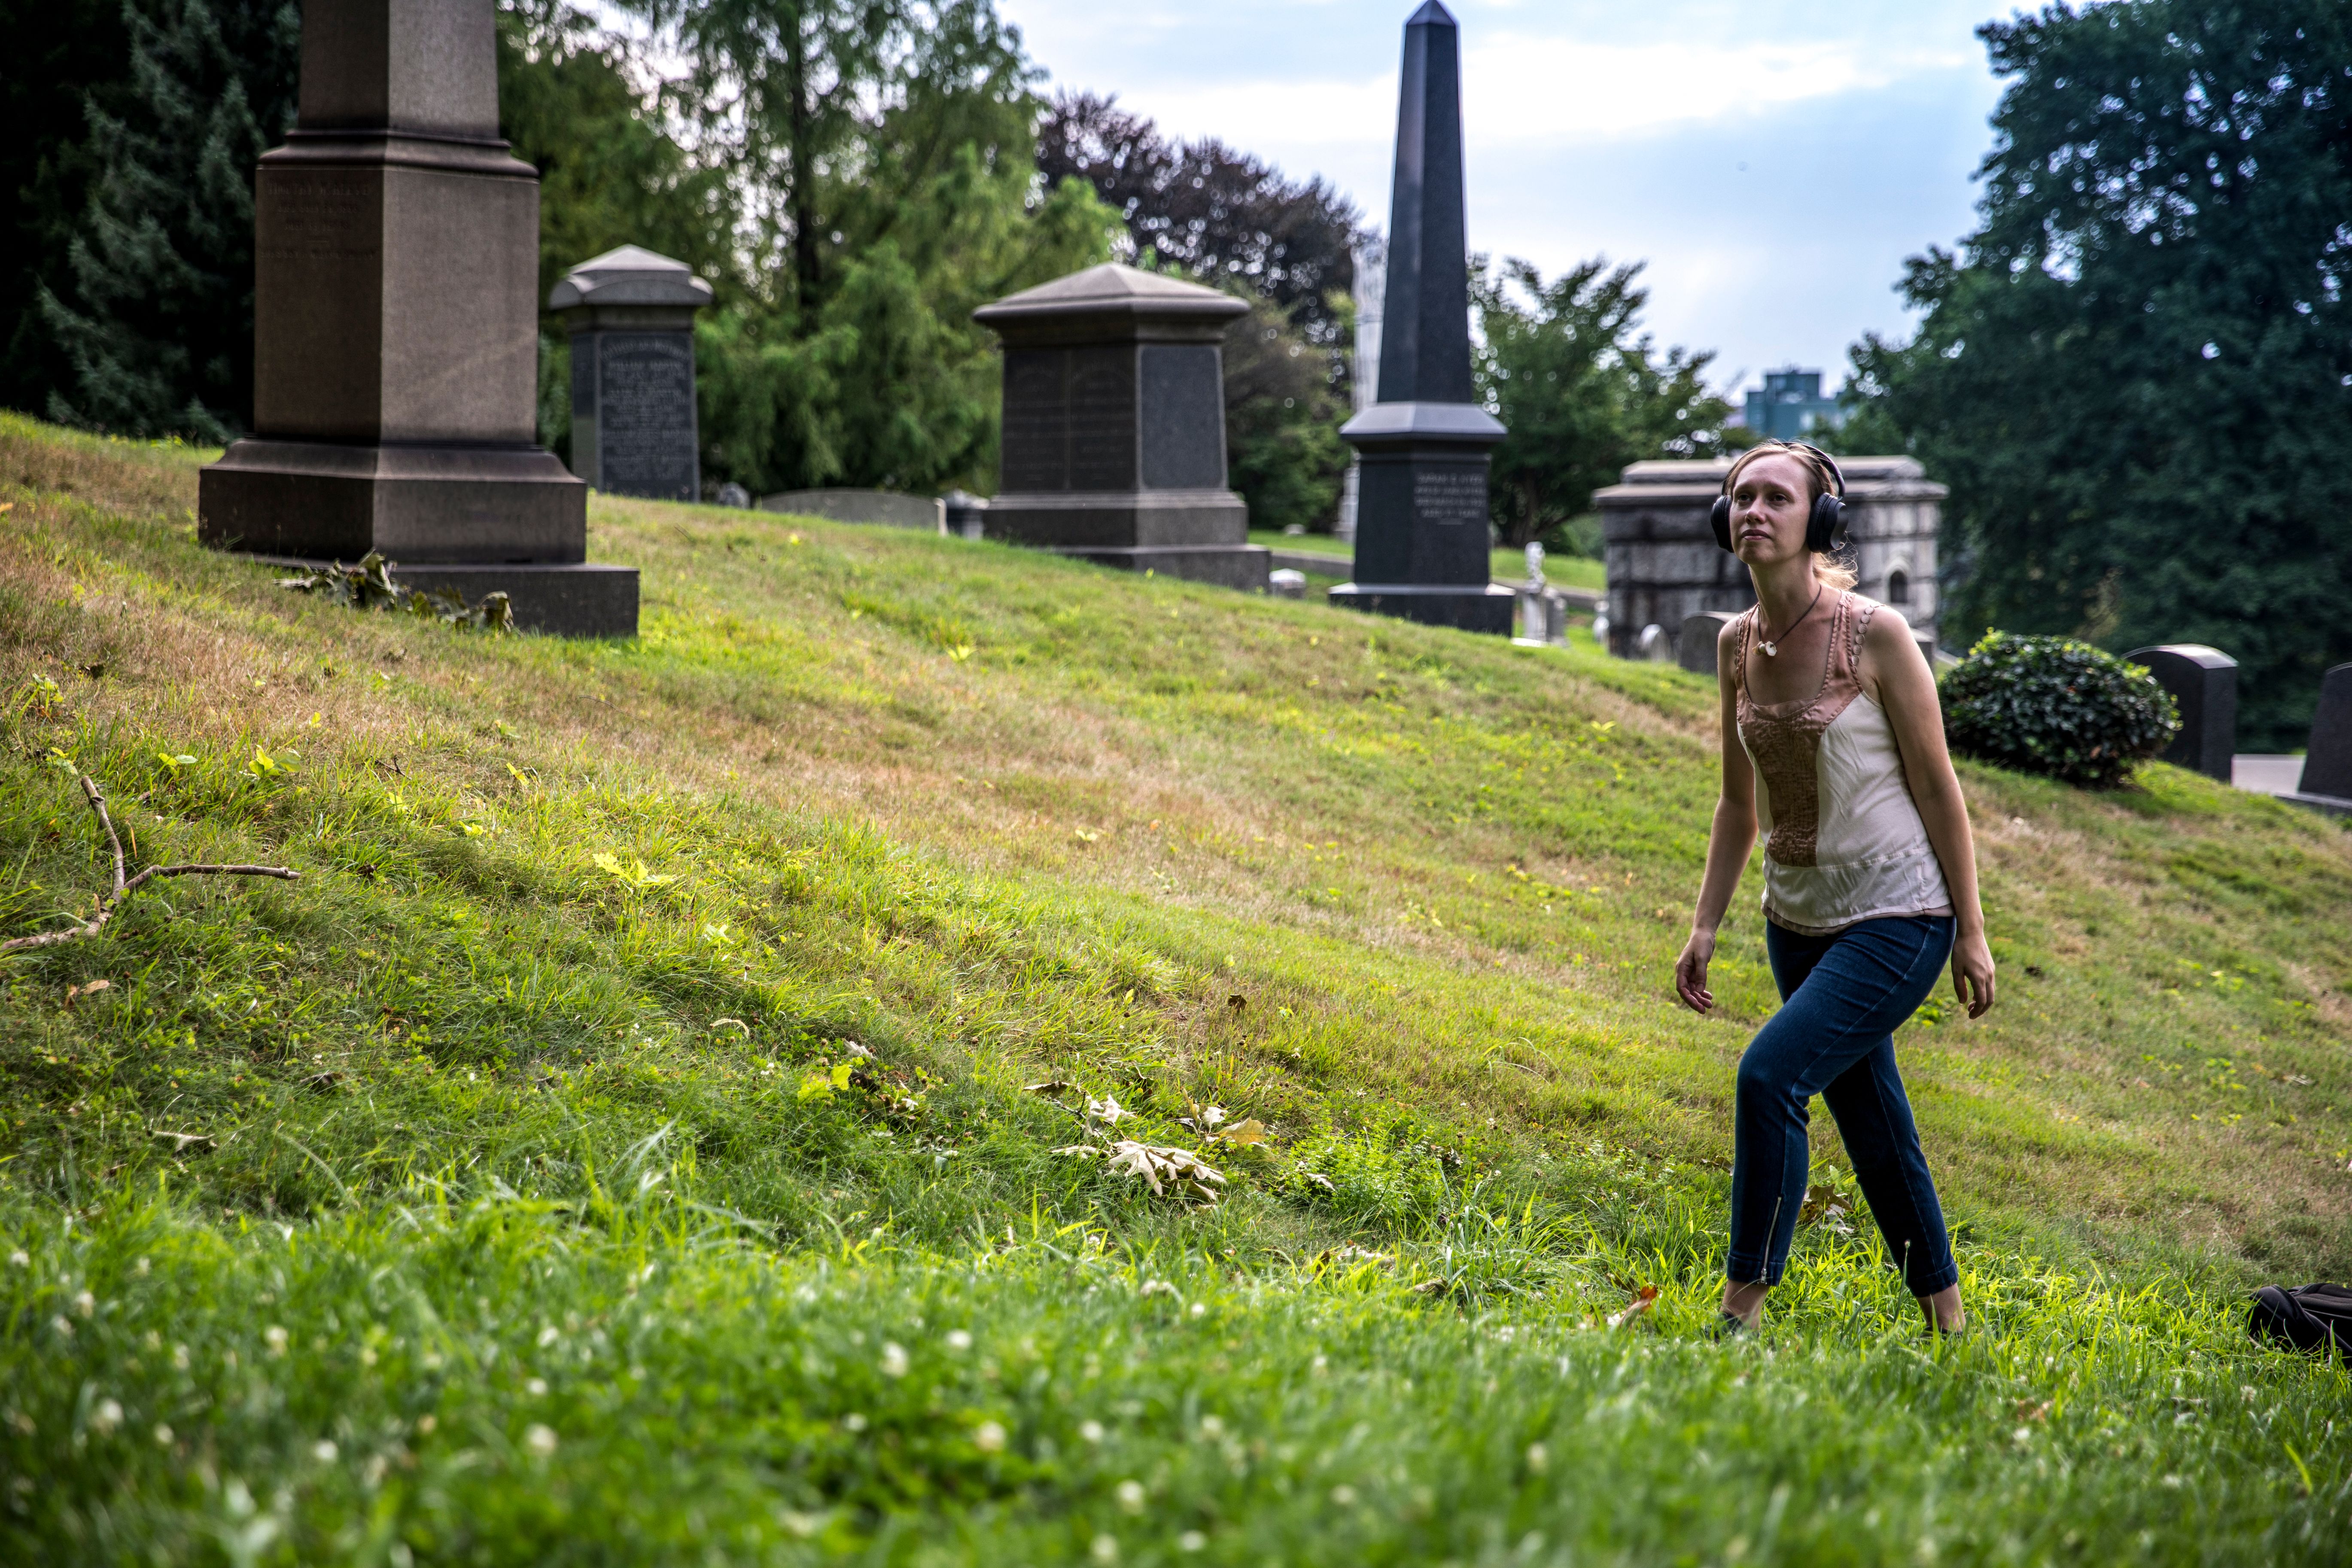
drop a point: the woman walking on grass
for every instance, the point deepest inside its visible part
(1870, 878)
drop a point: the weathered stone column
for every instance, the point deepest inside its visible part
(1422, 540)
(395, 330)
(630, 317)
(1114, 446)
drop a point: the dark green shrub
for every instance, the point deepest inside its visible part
(2055, 706)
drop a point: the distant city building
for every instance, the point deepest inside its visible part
(1790, 407)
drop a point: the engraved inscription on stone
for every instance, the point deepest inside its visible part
(1449, 497)
(1069, 419)
(645, 402)
(318, 216)
(1183, 418)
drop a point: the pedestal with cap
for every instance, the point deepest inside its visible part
(396, 331)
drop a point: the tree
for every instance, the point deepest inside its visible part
(60, 53)
(1582, 391)
(1213, 212)
(158, 321)
(609, 174)
(881, 161)
(2136, 374)
(1283, 415)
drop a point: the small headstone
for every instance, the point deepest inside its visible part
(2204, 682)
(734, 495)
(1285, 583)
(1695, 646)
(1655, 644)
(2327, 759)
(1535, 565)
(630, 314)
(966, 514)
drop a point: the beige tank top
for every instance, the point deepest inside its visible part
(1843, 840)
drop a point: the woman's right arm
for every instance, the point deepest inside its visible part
(1727, 844)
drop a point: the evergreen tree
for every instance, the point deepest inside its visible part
(158, 323)
(2137, 374)
(60, 52)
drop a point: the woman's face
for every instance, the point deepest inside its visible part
(1771, 505)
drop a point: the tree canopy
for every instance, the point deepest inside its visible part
(2136, 374)
(1582, 391)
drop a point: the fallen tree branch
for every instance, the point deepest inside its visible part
(113, 901)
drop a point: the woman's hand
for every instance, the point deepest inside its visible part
(1971, 972)
(1690, 972)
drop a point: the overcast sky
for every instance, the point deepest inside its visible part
(1773, 161)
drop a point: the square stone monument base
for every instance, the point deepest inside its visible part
(1200, 536)
(1487, 608)
(324, 500)
(579, 599)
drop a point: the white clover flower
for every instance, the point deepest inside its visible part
(275, 1337)
(1190, 1540)
(989, 1437)
(1344, 1495)
(85, 1303)
(536, 1387)
(539, 1439)
(1538, 1458)
(549, 1335)
(163, 1436)
(894, 1358)
(20, 1260)
(180, 1358)
(106, 1417)
(1092, 1431)
(853, 1422)
(1106, 1549)
(324, 1451)
(957, 1340)
(1131, 1496)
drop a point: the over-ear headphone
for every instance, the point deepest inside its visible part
(1829, 507)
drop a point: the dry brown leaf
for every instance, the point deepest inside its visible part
(1636, 1308)
(76, 993)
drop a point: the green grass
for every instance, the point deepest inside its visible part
(1509, 565)
(546, 1175)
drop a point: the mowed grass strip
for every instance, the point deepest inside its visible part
(868, 831)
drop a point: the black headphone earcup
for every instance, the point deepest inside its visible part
(1820, 529)
(1721, 519)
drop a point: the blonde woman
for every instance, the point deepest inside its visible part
(1869, 879)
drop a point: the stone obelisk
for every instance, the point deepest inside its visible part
(396, 331)
(1421, 548)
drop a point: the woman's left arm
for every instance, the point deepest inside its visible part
(1896, 674)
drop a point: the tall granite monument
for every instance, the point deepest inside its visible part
(1421, 542)
(1114, 444)
(629, 314)
(396, 331)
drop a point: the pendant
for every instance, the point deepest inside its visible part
(1771, 650)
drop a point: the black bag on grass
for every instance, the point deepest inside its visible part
(2305, 1318)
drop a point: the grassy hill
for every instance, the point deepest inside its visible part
(640, 1134)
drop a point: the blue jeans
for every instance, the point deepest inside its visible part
(1841, 998)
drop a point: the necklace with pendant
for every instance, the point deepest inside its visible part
(1771, 646)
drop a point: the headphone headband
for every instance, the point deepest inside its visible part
(1822, 463)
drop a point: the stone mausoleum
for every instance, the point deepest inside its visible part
(1664, 565)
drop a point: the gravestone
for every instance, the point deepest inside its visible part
(1695, 644)
(965, 514)
(630, 317)
(1422, 520)
(2204, 682)
(396, 331)
(1114, 443)
(2327, 758)
(1665, 567)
